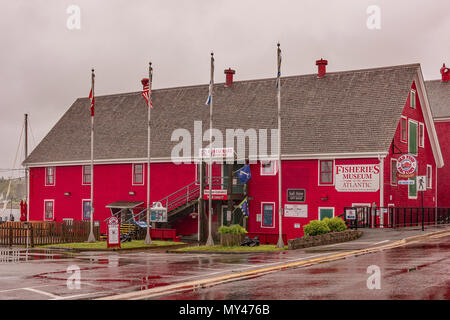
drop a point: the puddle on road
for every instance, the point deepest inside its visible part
(10, 255)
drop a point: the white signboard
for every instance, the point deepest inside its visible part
(421, 183)
(358, 178)
(296, 210)
(217, 152)
(350, 214)
(113, 232)
(405, 182)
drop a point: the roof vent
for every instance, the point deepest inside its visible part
(445, 72)
(229, 77)
(322, 67)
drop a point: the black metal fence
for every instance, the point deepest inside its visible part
(43, 233)
(394, 217)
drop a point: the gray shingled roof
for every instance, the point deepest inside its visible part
(439, 97)
(344, 112)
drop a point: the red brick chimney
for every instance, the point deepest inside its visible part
(322, 67)
(229, 77)
(445, 72)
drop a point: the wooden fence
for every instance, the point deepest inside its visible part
(43, 233)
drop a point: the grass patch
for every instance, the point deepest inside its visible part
(103, 245)
(265, 247)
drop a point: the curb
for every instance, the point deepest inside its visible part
(208, 282)
(114, 249)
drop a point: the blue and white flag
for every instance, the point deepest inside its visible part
(244, 174)
(244, 207)
(211, 82)
(279, 66)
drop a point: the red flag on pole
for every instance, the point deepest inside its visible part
(146, 91)
(92, 98)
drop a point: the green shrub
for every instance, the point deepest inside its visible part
(335, 224)
(316, 227)
(233, 229)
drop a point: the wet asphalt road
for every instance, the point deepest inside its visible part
(419, 271)
(43, 274)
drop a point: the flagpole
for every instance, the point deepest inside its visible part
(148, 239)
(91, 233)
(210, 241)
(280, 243)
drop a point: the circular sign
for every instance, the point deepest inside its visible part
(406, 165)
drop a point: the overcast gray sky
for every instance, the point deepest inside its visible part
(45, 66)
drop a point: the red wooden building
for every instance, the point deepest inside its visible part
(341, 136)
(439, 97)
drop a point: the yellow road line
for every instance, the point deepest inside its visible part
(170, 289)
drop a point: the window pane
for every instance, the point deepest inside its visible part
(86, 210)
(267, 167)
(394, 172)
(138, 178)
(267, 214)
(403, 137)
(412, 191)
(48, 210)
(138, 168)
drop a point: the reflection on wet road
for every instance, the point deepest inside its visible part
(416, 271)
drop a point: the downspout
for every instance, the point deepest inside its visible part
(381, 159)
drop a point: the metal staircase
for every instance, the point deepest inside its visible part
(175, 203)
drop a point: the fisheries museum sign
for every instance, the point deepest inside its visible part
(358, 178)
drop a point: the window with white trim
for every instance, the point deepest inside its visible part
(267, 214)
(326, 172)
(413, 99)
(429, 176)
(50, 176)
(404, 129)
(412, 136)
(87, 174)
(268, 168)
(393, 172)
(86, 204)
(138, 173)
(49, 209)
(421, 135)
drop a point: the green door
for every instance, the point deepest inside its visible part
(326, 213)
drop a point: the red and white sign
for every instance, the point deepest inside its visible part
(406, 166)
(113, 232)
(358, 178)
(217, 194)
(217, 152)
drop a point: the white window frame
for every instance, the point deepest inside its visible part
(318, 211)
(401, 129)
(417, 138)
(430, 178)
(53, 209)
(262, 215)
(274, 168)
(82, 176)
(412, 100)
(421, 142)
(132, 174)
(54, 177)
(333, 171)
(82, 209)
(393, 160)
